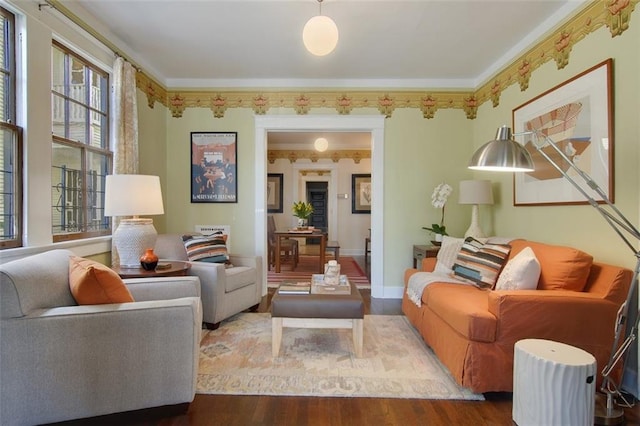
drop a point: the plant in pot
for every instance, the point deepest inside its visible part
(302, 210)
(439, 200)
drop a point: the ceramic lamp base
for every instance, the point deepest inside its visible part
(132, 238)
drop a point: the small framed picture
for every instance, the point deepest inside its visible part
(214, 167)
(361, 193)
(274, 192)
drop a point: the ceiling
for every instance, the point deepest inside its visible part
(383, 43)
(452, 44)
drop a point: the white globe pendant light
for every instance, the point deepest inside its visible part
(321, 144)
(320, 34)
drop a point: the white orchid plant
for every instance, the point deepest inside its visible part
(439, 200)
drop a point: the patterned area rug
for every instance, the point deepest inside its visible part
(236, 360)
(309, 265)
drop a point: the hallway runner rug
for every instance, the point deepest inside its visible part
(236, 359)
(309, 265)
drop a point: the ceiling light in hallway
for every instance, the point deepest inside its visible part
(321, 144)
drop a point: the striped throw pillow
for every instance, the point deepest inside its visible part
(480, 264)
(210, 248)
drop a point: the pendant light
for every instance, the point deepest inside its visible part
(321, 144)
(320, 34)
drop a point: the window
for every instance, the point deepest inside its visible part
(10, 139)
(81, 158)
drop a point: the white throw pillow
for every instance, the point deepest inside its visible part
(447, 254)
(520, 273)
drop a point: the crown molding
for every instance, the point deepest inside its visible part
(557, 46)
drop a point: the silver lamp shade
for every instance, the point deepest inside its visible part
(502, 154)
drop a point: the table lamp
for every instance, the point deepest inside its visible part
(475, 192)
(133, 195)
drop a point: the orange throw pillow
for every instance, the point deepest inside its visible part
(92, 283)
(561, 268)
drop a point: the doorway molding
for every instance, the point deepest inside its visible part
(355, 123)
(332, 180)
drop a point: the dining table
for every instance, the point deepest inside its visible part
(306, 234)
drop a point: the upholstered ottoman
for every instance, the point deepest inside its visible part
(317, 311)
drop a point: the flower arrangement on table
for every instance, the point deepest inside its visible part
(439, 200)
(302, 210)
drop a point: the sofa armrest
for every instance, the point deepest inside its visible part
(213, 280)
(253, 262)
(553, 315)
(163, 288)
(240, 260)
(428, 265)
(125, 354)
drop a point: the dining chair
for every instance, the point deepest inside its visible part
(288, 247)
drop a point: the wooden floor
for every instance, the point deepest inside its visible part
(297, 411)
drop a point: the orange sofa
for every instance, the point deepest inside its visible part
(473, 331)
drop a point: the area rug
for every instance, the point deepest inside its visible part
(309, 265)
(236, 360)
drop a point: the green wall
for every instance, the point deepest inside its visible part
(577, 226)
(420, 153)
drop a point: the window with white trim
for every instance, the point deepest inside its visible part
(81, 157)
(10, 139)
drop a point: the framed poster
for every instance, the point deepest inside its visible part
(213, 167)
(361, 193)
(577, 116)
(274, 192)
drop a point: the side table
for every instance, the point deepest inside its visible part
(177, 269)
(420, 252)
(553, 384)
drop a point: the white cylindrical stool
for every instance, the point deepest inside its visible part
(553, 384)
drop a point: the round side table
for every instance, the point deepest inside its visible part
(177, 269)
(553, 384)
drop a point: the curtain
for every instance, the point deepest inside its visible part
(124, 131)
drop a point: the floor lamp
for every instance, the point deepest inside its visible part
(505, 154)
(133, 195)
(475, 192)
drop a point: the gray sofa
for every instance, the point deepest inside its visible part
(225, 291)
(61, 361)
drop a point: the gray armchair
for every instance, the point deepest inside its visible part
(225, 291)
(60, 361)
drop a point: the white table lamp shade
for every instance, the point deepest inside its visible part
(475, 192)
(133, 195)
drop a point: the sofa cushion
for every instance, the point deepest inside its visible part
(561, 268)
(480, 263)
(464, 308)
(92, 283)
(240, 276)
(522, 272)
(447, 254)
(210, 248)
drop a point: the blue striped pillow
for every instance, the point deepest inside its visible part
(479, 263)
(211, 248)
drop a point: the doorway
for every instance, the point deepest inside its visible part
(356, 123)
(318, 196)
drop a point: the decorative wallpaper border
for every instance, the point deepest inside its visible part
(614, 14)
(314, 156)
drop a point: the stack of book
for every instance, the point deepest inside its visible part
(303, 287)
(320, 287)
